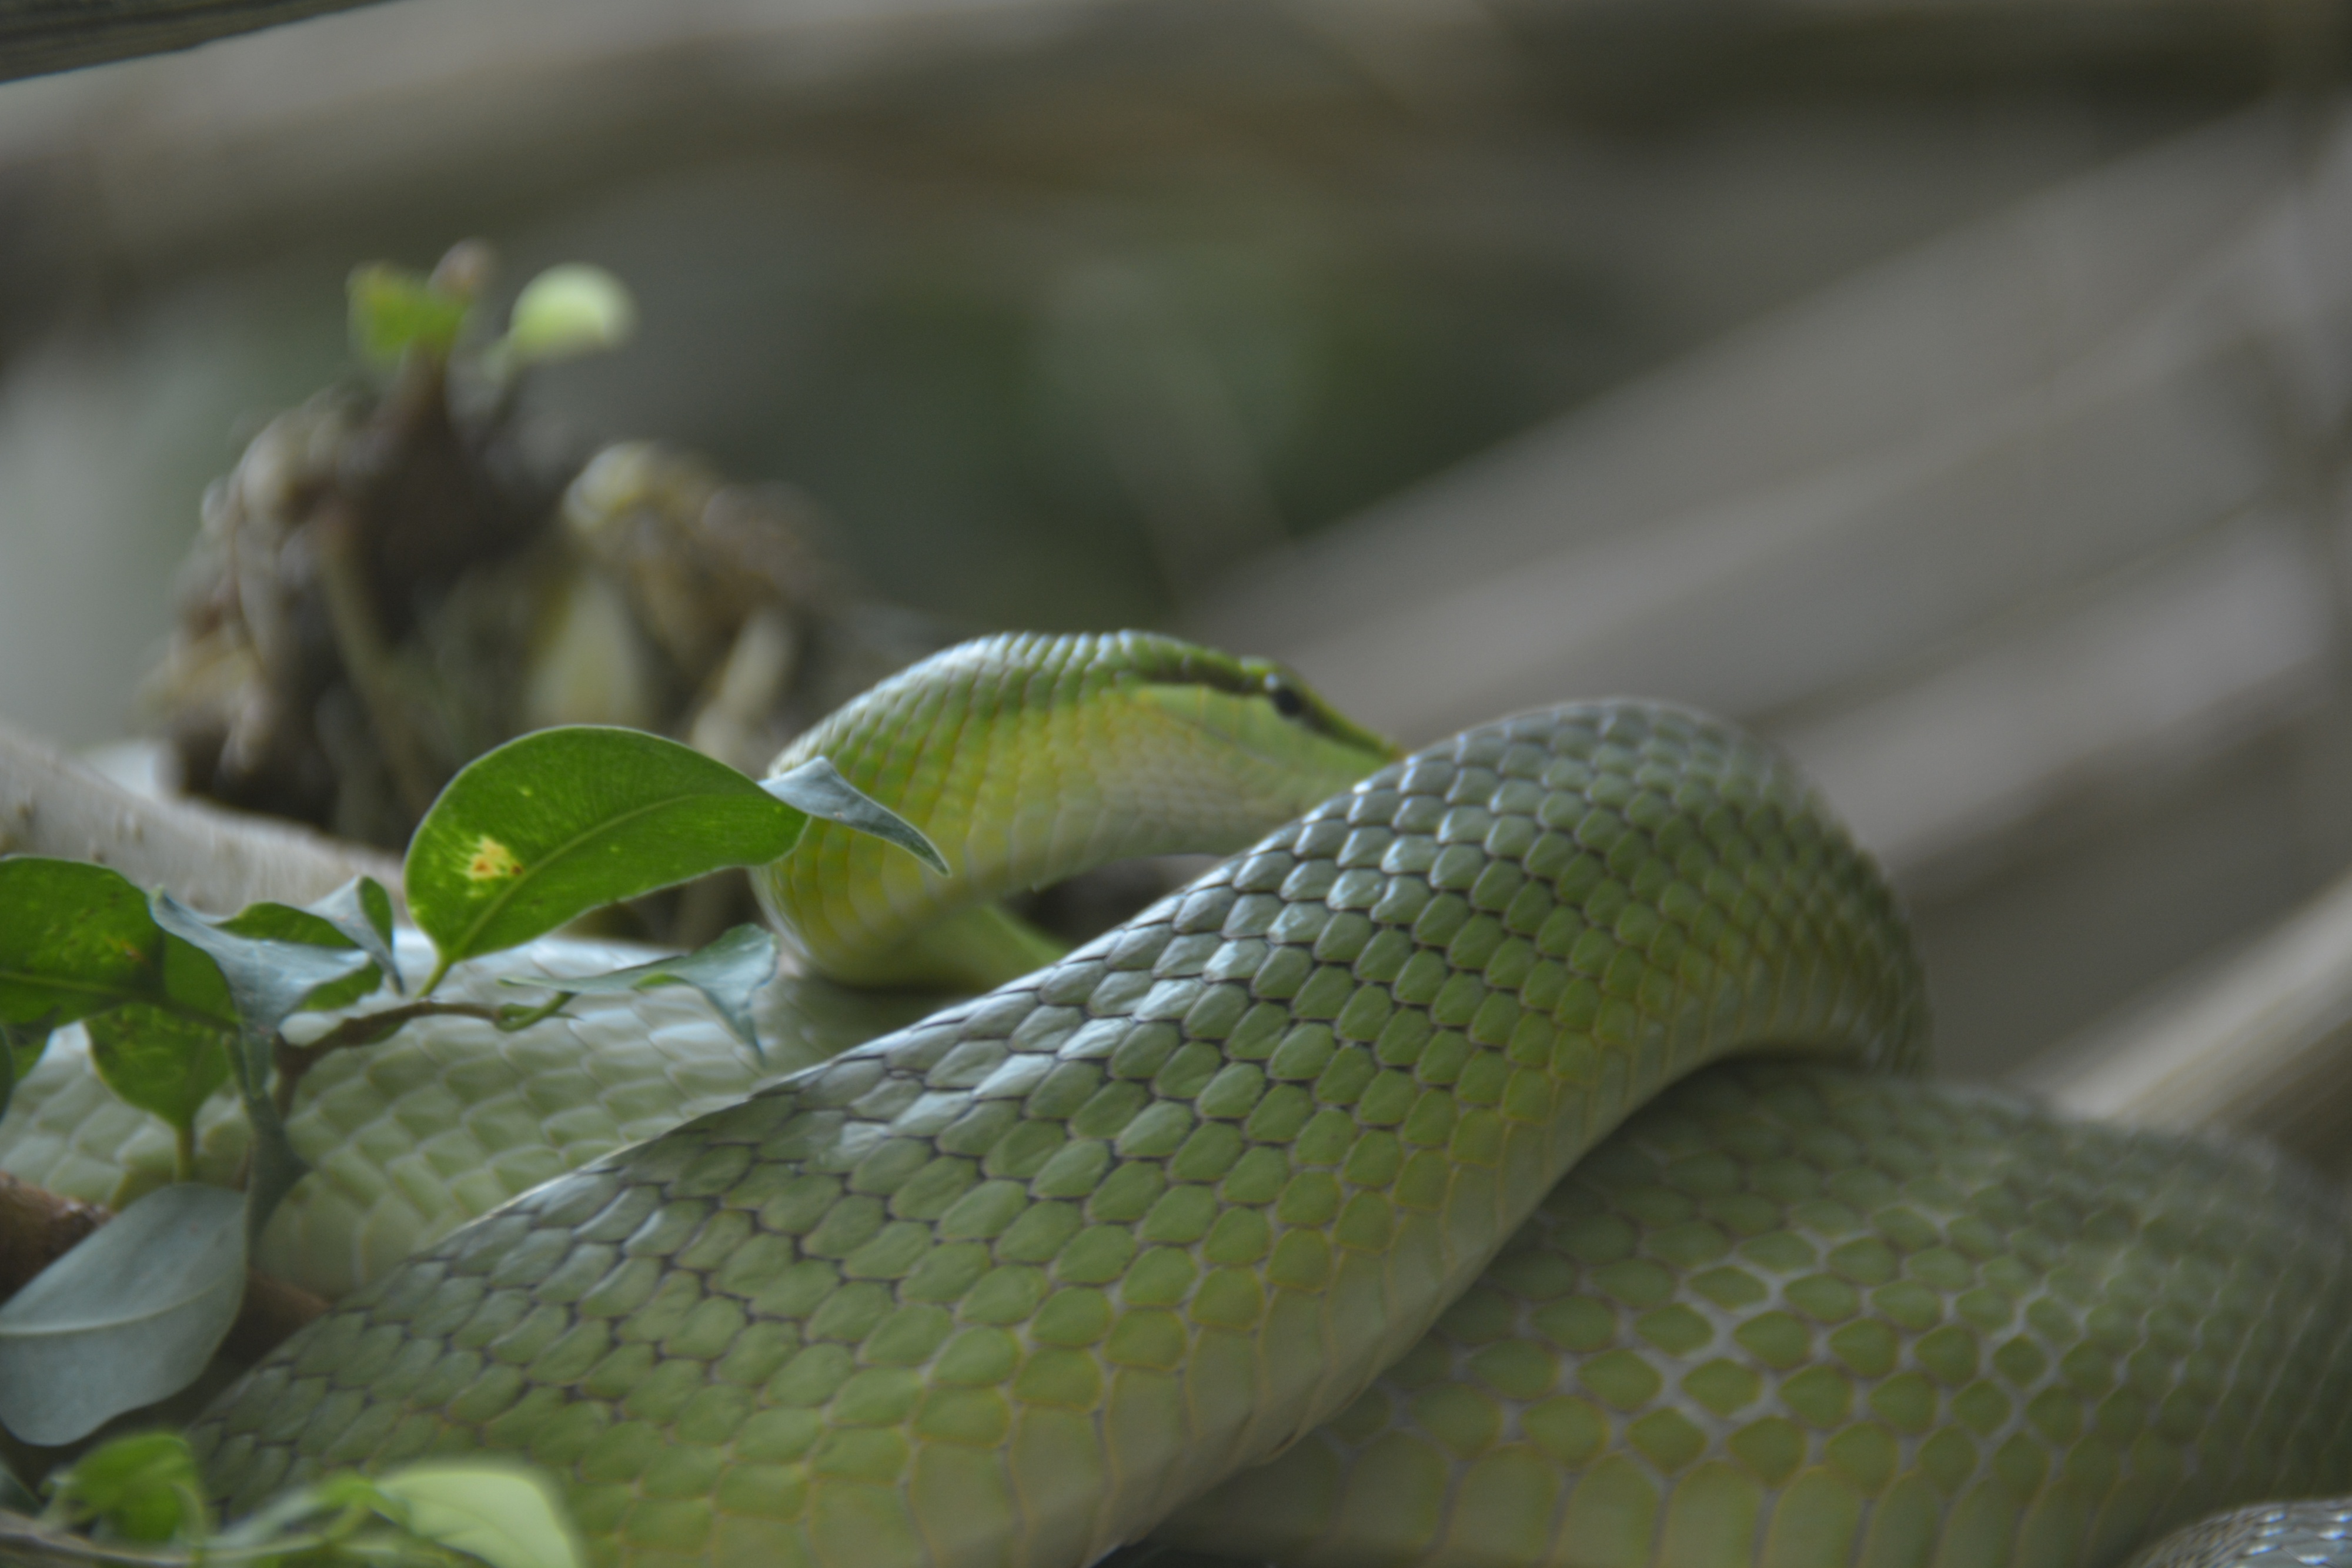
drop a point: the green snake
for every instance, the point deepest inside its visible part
(1517, 1159)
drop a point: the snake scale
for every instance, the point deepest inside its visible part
(1262, 1175)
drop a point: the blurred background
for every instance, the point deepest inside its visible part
(1954, 390)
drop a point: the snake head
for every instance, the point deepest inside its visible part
(1028, 759)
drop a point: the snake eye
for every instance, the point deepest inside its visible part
(1285, 697)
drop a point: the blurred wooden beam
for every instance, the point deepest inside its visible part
(1946, 477)
(51, 804)
(1639, 55)
(37, 36)
(2260, 1042)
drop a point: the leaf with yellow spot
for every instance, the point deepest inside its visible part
(561, 822)
(492, 859)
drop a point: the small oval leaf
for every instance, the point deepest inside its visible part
(361, 910)
(567, 311)
(504, 1514)
(165, 1064)
(817, 788)
(393, 309)
(129, 1316)
(167, 1057)
(561, 822)
(727, 971)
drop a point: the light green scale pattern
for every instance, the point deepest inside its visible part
(1799, 1317)
(413, 1137)
(1005, 1287)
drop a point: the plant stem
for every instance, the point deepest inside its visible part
(292, 1061)
(184, 1150)
(30, 1543)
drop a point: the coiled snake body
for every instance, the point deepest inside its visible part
(1009, 1286)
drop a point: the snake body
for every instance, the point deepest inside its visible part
(1013, 1284)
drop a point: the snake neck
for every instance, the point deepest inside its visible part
(1028, 759)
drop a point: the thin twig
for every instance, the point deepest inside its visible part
(292, 1061)
(37, 1227)
(33, 1543)
(28, 1543)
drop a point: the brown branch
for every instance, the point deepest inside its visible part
(38, 1227)
(41, 35)
(291, 1062)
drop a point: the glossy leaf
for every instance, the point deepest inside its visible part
(561, 822)
(129, 1316)
(167, 1057)
(269, 976)
(347, 928)
(504, 1514)
(78, 941)
(556, 823)
(162, 1063)
(818, 788)
(75, 939)
(727, 971)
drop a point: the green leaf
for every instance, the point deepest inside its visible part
(817, 788)
(129, 1316)
(727, 971)
(561, 822)
(21, 1046)
(268, 979)
(393, 309)
(78, 941)
(142, 1488)
(164, 1063)
(567, 311)
(269, 976)
(343, 920)
(502, 1513)
(75, 939)
(167, 1057)
(361, 910)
